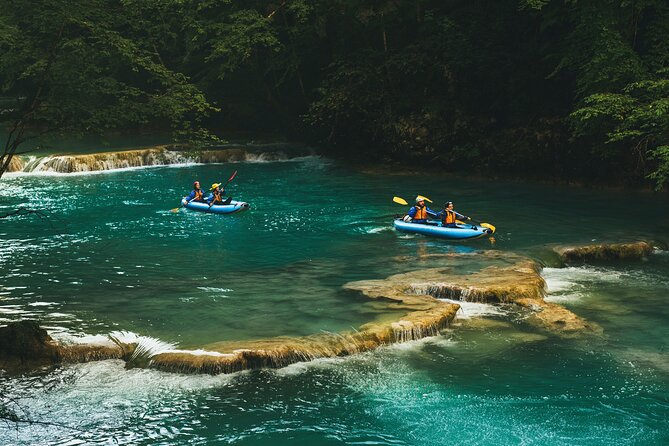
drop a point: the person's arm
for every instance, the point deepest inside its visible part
(190, 196)
(412, 212)
(432, 214)
(461, 217)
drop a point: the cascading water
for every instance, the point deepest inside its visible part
(146, 347)
(154, 156)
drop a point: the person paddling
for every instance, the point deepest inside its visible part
(449, 217)
(196, 194)
(419, 213)
(216, 197)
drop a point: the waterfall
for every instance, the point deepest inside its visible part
(145, 347)
(153, 156)
(456, 292)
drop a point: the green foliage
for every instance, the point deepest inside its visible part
(633, 123)
(532, 4)
(234, 41)
(661, 174)
(73, 66)
(570, 88)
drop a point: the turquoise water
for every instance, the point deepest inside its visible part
(109, 255)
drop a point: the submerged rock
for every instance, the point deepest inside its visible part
(508, 279)
(516, 280)
(225, 357)
(604, 252)
(425, 317)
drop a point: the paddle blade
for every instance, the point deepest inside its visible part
(234, 174)
(425, 198)
(175, 210)
(489, 226)
(399, 200)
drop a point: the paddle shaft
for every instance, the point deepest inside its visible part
(232, 177)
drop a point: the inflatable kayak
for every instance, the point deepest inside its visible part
(234, 206)
(463, 231)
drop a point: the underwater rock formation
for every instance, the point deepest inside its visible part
(153, 156)
(517, 280)
(426, 317)
(492, 284)
(604, 252)
(508, 278)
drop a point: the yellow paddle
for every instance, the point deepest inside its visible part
(483, 225)
(400, 200)
(489, 226)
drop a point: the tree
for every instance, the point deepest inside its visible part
(76, 66)
(632, 125)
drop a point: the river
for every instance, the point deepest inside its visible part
(106, 254)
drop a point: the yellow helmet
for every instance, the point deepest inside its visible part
(214, 186)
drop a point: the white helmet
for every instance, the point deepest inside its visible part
(419, 198)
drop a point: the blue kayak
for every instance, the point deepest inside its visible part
(234, 206)
(463, 231)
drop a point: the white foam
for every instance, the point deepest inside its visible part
(556, 277)
(198, 352)
(50, 165)
(49, 173)
(469, 310)
(146, 345)
(211, 289)
(378, 230)
(566, 285)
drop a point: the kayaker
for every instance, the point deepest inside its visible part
(419, 213)
(196, 194)
(448, 216)
(216, 197)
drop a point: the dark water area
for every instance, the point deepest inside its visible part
(111, 256)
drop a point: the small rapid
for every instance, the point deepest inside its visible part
(142, 158)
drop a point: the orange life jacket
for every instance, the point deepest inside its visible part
(217, 197)
(421, 213)
(449, 217)
(198, 195)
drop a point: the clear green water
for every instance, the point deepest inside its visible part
(111, 256)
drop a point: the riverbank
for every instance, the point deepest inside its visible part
(93, 159)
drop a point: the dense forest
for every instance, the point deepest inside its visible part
(566, 89)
